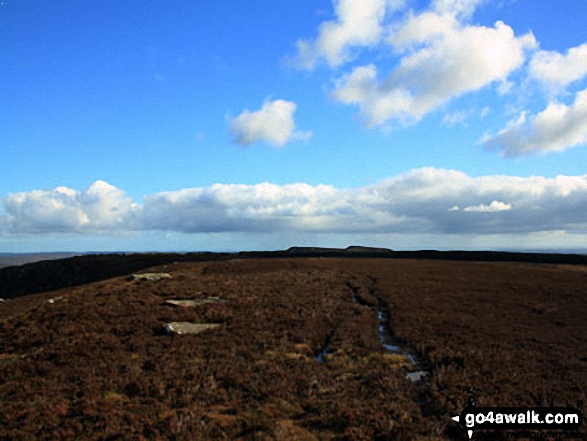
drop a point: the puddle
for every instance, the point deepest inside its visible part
(386, 337)
(383, 338)
(323, 353)
(326, 348)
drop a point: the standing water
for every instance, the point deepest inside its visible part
(386, 337)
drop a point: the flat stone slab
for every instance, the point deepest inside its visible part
(152, 277)
(194, 302)
(416, 376)
(182, 328)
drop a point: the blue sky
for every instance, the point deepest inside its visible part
(210, 126)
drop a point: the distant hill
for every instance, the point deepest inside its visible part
(371, 252)
(11, 259)
(352, 251)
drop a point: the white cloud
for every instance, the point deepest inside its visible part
(359, 23)
(416, 202)
(423, 201)
(557, 128)
(257, 208)
(273, 124)
(491, 208)
(264, 207)
(441, 59)
(557, 71)
(98, 208)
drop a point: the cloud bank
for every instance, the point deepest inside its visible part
(422, 201)
(273, 124)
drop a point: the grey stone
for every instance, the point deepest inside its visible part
(152, 277)
(195, 302)
(416, 376)
(182, 328)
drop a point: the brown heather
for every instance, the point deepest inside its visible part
(97, 363)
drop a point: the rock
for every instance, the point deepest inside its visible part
(416, 376)
(194, 302)
(182, 328)
(152, 277)
(2, 300)
(54, 299)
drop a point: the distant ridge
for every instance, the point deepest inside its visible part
(352, 251)
(356, 251)
(359, 248)
(49, 275)
(11, 259)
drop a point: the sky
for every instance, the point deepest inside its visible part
(225, 126)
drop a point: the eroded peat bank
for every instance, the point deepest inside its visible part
(291, 349)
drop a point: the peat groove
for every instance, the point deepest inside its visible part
(387, 337)
(326, 350)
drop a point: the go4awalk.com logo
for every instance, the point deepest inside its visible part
(518, 418)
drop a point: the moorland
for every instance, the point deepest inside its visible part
(298, 346)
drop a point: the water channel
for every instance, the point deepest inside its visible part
(386, 336)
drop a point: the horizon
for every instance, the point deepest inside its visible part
(577, 251)
(401, 124)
